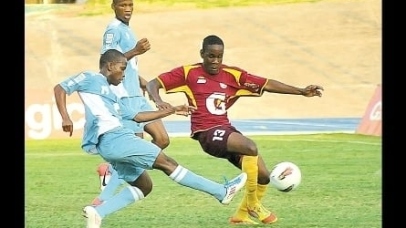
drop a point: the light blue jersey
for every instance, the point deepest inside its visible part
(101, 105)
(119, 36)
(104, 132)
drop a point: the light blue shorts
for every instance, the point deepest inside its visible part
(128, 154)
(135, 105)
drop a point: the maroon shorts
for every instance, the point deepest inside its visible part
(214, 142)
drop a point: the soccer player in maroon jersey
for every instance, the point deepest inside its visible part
(213, 88)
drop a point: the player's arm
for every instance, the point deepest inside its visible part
(60, 99)
(67, 87)
(153, 88)
(112, 40)
(171, 81)
(153, 115)
(274, 86)
(140, 48)
(143, 84)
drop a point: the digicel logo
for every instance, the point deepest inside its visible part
(42, 119)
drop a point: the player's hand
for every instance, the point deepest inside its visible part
(312, 90)
(142, 46)
(163, 105)
(67, 126)
(184, 110)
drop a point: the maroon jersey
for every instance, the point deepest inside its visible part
(213, 95)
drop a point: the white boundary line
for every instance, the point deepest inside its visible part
(248, 133)
(79, 152)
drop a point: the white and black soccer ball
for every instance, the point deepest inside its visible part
(285, 176)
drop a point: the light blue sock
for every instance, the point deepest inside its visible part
(111, 186)
(189, 179)
(126, 196)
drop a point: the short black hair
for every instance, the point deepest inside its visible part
(111, 55)
(115, 1)
(210, 40)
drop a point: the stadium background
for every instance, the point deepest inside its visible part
(334, 43)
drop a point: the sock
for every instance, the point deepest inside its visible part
(112, 186)
(250, 166)
(242, 211)
(261, 190)
(104, 180)
(189, 179)
(126, 196)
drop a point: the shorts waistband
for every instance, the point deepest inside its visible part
(111, 130)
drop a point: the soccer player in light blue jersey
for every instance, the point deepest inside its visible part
(118, 35)
(105, 134)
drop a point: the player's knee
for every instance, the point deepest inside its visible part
(165, 163)
(251, 149)
(143, 183)
(161, 142)
(146, 189)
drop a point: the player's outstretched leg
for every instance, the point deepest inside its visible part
(130, 194)
(223, 192)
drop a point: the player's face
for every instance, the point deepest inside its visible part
(123, 9)
(117, 72)
(212, 58)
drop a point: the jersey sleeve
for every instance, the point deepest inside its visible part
(253, 83)
(173, 79)
(75, 83)
(111, 40)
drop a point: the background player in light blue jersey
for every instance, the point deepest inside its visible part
(118, 35)
(130, 155)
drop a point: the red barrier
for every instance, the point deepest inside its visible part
(371, 123)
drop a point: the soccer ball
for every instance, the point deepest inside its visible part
(285, 176)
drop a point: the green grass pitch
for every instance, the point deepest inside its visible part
(341, 185)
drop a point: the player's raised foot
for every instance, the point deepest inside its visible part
(233, 187)
(93, 219)
(104, 175)
(261, 213)
(241, 221)
(96, 202)
(103, 168)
